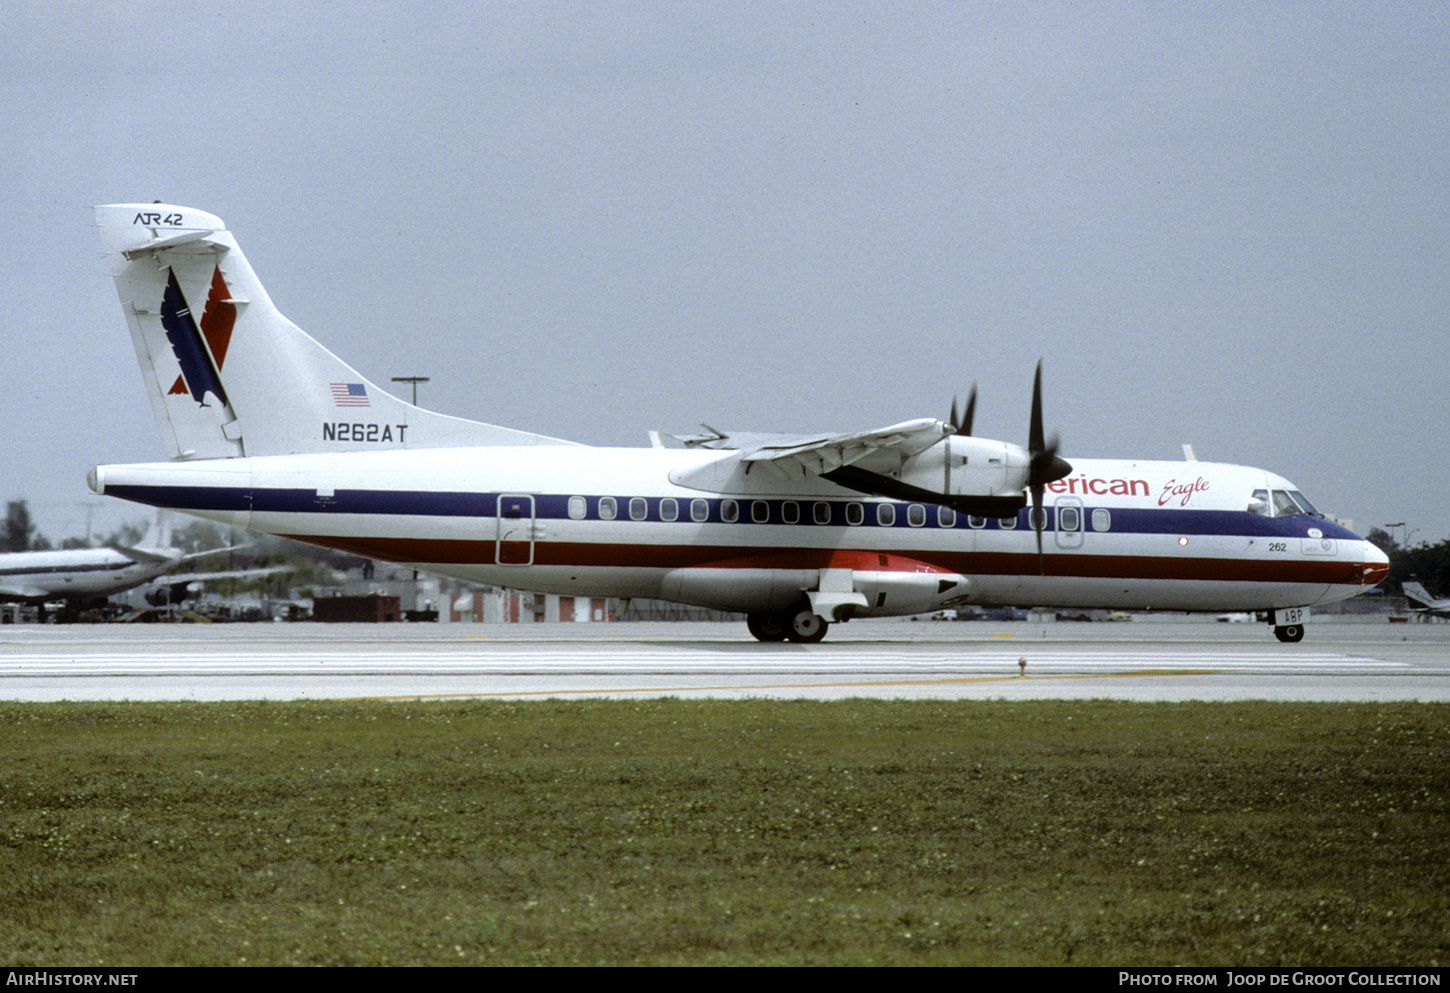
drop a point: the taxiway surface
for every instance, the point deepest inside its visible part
(885, 659)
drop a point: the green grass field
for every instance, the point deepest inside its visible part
(724, 832)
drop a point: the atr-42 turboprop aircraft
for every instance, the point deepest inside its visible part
(270, 431)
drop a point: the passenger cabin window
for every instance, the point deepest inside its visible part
(607, 509)
(946, 517)
(1069, 519)
(1102, 520)
(699, 510)
(855, 514)
(821, 513)
(578, 506)
(885, 514)
(669, 509)
(729, 511)
(790, 512)
(760, 512)
(916, 515)
(638, 508)
(976, 522)
(1007, 523)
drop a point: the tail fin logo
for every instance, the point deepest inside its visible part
(200, 351)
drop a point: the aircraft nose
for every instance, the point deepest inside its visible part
(1376, 564)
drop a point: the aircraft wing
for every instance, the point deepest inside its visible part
(216, 551)
(175, 587)
(799, 456)
(140, 556)
(206, 577)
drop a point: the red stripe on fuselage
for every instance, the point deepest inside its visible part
(582, 554)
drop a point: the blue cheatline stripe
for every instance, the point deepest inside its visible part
(548, 506)
(53, 569)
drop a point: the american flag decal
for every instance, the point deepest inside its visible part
(350, 395)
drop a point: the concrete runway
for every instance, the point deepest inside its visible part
(1187, 660)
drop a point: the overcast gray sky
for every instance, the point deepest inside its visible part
(1217, 223)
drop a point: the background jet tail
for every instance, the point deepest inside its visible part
(227, 374)
(155, 545)
(1420, 597)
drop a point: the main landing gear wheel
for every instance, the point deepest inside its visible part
(805, 626)
(1290, 632)
(801, 625)
(766, 627)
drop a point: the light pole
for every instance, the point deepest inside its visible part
(415, 380)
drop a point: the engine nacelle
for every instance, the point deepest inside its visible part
(972, 475)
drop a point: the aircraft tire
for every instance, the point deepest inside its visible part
(805, 626)
(1290, 632)
(767, 627)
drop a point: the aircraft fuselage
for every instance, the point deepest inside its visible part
(636, 523)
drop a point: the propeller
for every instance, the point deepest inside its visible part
(1045, 465)
(963, 427)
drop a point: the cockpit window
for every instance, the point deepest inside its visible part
(1284, 505)
(1303, 501)
(1281, 503)
(1290, 502)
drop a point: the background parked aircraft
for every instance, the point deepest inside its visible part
(84, 578)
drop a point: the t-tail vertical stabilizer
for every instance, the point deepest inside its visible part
(227, 374)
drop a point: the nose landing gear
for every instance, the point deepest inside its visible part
(1290, 632)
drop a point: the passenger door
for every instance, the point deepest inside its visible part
(515, 544)
(1069, 520)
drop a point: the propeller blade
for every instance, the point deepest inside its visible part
(1034, 431)
(1045, 465)
(1037, 522)
(963, 426)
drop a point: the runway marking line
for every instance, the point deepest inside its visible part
(782, 686)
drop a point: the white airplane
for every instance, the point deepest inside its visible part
(1422, 602)
(268, 430)
(86, 577)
